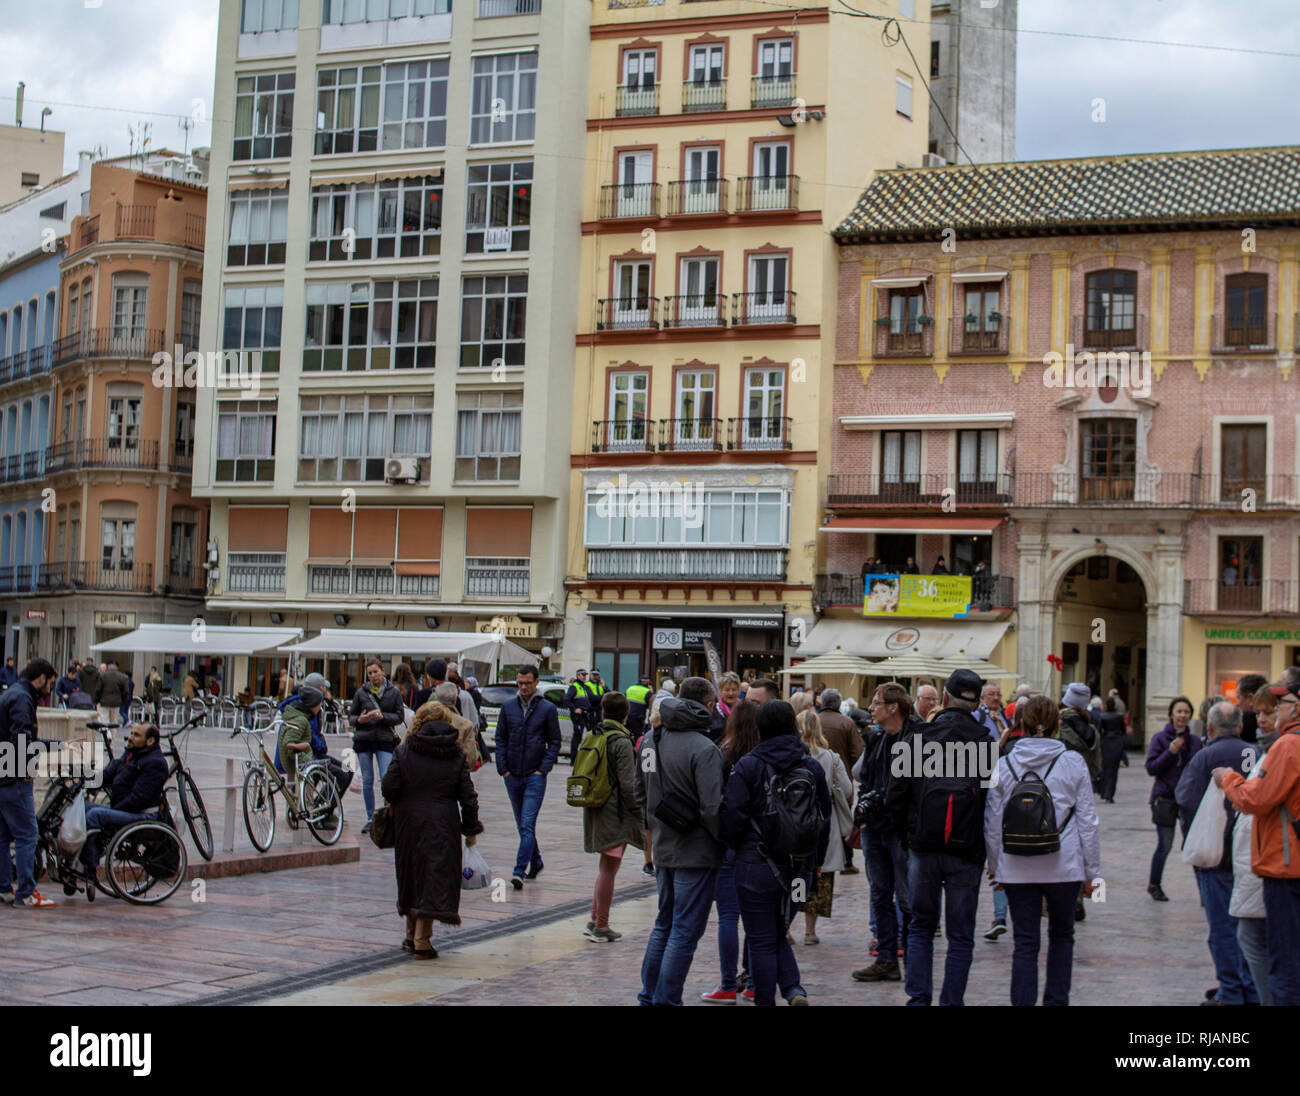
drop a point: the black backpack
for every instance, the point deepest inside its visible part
(792, 820)
(950, 816)
(1029, 818)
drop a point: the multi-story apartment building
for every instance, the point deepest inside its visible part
(1082, 373)
(397, 239)
(30, 159)
(723, 144)
(106, 451)
(973, 79)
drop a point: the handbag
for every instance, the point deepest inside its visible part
(383, 831)
(1164, 810)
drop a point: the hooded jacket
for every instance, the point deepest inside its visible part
(746, 796)
(689, 766)
(1167, 767)
(1071, 788)
(1078, 734)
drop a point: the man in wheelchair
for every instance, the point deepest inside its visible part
(135, 788)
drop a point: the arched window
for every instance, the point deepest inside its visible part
(117, 536)
(6, 540)
(20, 539)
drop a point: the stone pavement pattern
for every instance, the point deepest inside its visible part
(257, 931)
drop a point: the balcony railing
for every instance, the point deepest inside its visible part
(135, 222)
(988, 592)
(623, 201)
(1182, 490)
(690, 435)
(914, 489)
(971, 338)
(29, 363)
(691, 564)
(184, 582)
(627, 314)
(695, 310)
(18, 579)
(767, 193)
(1090, 334)
(759, 432)
(508, 578)
(772, 91)
(196, 227)
(78, 575)
(622, 436)
(1241, 333)
(118, 453)
(490, 9)
(918, 342)
(690, 196)
(704, 95)
(1272, 597)
(21, 467)
(255, 573)
(768, 307)
(636, 101)
(107, 342)
(89, 232)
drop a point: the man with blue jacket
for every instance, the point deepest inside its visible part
(527, 744)
(17, 800)
(1225, 749)
(135, 787)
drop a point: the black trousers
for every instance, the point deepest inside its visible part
(1112, 752)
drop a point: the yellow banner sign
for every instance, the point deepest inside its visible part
(916, 595)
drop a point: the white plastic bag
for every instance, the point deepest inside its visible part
(1204, 845)
(72, 833)
(474, 871)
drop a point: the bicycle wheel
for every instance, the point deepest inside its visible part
(259, 809)
(322, 810)
(196, 814)
(146, 862)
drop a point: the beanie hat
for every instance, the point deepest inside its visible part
(1077, 695)
(309, 698)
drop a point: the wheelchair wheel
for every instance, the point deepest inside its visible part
(196, 814)
(145, 862)
(322, 810)
(259, 809)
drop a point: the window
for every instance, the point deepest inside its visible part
(741, 518)
(640, 69)
(252, 322)
(184, 532)
(635, 191)
(74, 531)
(504, 104)
(415, 104)
(1109, 459)
(628, 393)
(1240, 572)
(1112, 308)
(768, 286)
(65, 429)
(347, 109)
(764, 408)
(977, 460)
(632, 293)
(263, 116)
(191, 306)
(371, 325)
(130, 305)
(124, 416)
(706, 64)
(1244, 459)
(259, 221)
(371, 11)
(268, 15)
(776, 58)
(73, 314)
(117, 536)
(350, 438)
(398, 218)
(699, 287)
(55, 212)
(696, 409)
(900, 457)
(934, 61)
(81, 412)
(87, 298)
(246, 441)
(30, 178)
(183, 445)
(488, 435)
(493, 317)
(982, 304)
(498, 211)
(903, 96)
(1246, 323)
(701, 191)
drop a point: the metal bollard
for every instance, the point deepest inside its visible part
(228, 830)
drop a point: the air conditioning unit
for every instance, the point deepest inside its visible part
(402, 470)
(933, 159)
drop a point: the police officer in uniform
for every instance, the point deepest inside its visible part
(581, 700)
(638, 705)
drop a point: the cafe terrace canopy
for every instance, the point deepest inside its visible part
(477, 646)
(194, 639)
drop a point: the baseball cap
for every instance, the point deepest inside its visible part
(1283, 691)
(964, 685)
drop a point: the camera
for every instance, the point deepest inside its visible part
(870, 810)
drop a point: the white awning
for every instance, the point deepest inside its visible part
(979, 276)
(211, 639)
(900, 283)
(479, 646)
(938, 638)
(259, 182)
(995, 420)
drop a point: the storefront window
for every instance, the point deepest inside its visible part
(1225, 663)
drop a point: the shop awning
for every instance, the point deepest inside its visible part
(213, 639)
(481, 647)
(940, 523)
(882, 639)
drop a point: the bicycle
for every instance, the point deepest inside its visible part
(313, 800)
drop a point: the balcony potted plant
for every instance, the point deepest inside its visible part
(972, 321)
(924, 320)
(882, 321)
(994, 318)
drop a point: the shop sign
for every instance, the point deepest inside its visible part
(667, 639)
(916, 595)
(1273, 634)
(694, 639)
(114, 620)
(35, 614)
(512, 627)
(757, 622)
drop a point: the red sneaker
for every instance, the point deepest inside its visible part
(748, 995)
(875, 946)
(720, 996)
(36, 902)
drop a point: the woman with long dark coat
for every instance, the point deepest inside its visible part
(434, 805)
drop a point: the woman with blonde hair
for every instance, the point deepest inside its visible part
(841, 788)
(435, 711)
(801, 702)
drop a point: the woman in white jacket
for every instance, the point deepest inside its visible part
(841, 788)
(1055, 877)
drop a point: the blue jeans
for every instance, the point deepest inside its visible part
(105, 818)
(931, 875)
(18, 825)
(685, 895)
(1252, 938)
(1000, 905)
(765, 909)
(1164, 842)
(728, 923)
(1235, 985)
(1026, 903)
(887, 874)
(382, 758)
(1282, 904)
(526, 795)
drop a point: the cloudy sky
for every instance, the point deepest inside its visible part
(104, 68)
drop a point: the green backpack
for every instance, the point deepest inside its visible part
(593, 781)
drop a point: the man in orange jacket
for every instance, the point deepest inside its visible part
(1274, 799)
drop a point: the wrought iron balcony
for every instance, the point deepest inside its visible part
(1272, 597)
(772, 91)
(768, 307)
(978, 337)
(627, 314)
(888, 490)
(767, 193)
(700, 95)
(1182, 490)
(114, 452)
(690, 435)
(759, 432)
(914, 340)
(79, 575)
(629, 201)
(622, 435)
(107, 342)
(1094, 333)
(695, 310)
(496, 578)
(636, 101)
(694, 196)
(1241, 334)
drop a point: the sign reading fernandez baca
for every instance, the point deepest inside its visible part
(916, 595)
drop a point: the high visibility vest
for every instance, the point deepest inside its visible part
(638, 694)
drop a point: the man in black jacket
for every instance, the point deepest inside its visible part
(135, 788)
(943, 822)
(891, 709)
(527, 745)
(113, 693)
(17, 800)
